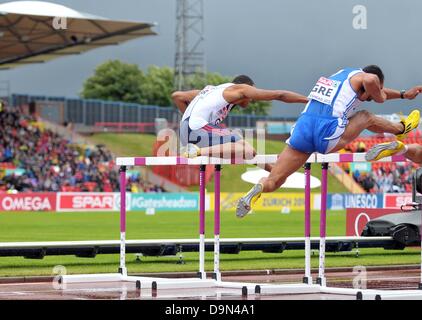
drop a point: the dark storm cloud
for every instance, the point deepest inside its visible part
(283, 44)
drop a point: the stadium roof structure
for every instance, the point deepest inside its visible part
(36, 32)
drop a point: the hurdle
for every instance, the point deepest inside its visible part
(202, 281)
(360, 294)
(246, 288)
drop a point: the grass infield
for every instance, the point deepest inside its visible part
(131, 144)
(43, 226)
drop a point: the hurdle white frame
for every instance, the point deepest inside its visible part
(247, 288)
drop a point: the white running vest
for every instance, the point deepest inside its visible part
(209, 106)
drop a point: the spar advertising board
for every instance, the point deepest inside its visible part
(86, 201)
(396, 200)
(28, 202)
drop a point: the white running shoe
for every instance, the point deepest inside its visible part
(245, 203)
(191, 151)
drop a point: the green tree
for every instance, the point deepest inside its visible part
(260, 108)
(213, 78)
(116, 81)
(199, 81)
(157, 86)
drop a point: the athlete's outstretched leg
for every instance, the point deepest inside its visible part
(239, 149)
(365, 120)
(413, 152)
(385, 149)
(289, 161)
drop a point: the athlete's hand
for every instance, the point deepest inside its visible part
(412, 93)
(365, 97)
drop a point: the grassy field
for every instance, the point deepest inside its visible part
(173, 225)
(126, 144)
(141, 144)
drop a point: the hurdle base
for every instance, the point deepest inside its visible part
(287, 289)
(322, 281)
(391, 295)
(157, 284)
(154, 283)
(374, 294)
(398, 297)
(122, 271)
(201, 275)
(237, 285)
(307, 280)
(87, 278)
(191, 283)
(216, 276)
(358, 293)
(144, 282)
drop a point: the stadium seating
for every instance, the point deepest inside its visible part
(33, 158)
(386, 176)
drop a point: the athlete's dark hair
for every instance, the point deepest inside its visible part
(374, 69)
(242, 79)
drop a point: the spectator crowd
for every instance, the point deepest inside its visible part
(35, 159)
(385, 177)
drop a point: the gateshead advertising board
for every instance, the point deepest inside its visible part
(165, 201)
(134, 202)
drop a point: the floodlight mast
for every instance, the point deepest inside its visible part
(190, 52)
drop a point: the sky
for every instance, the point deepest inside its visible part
(281, 44)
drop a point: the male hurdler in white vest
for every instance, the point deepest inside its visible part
(331, 120)
(203, 110)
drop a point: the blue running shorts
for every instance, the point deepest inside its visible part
(310, 132)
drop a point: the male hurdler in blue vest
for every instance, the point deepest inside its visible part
(331, 120)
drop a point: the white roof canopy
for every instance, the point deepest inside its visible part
(37, 31)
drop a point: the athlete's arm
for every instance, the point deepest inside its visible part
(409, 94)
(413, 92)
(392, 94)
(182, 98)
(372, 86)
(242, 91)
(414, 153)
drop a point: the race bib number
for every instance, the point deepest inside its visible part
(206, 90)
(325, 90)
